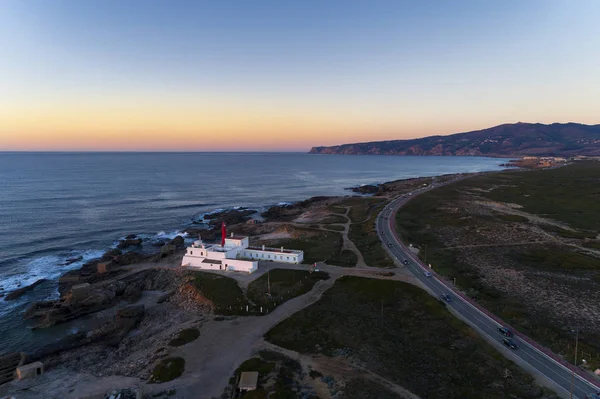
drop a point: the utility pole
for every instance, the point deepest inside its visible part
(575, 362)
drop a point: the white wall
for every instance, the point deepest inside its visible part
(238, 265)
(227, 264)
(274, 256)
(230, 242)
(196, 262)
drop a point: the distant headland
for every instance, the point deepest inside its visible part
(508, 140)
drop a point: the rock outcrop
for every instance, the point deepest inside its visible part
(21, 291)
(113, 332)
(88, 273)
(177, 242)
(129, 242)
(129, 288)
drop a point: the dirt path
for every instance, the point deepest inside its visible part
(338, 367)
(224, 345)
(348, 244)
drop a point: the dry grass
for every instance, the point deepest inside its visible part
(527, 258)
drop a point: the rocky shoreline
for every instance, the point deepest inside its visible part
(129, 304)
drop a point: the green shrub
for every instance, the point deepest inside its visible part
(168, 369)
(185, 336)
(256, 364)
(315, 374)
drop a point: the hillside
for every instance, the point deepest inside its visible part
(557, 139)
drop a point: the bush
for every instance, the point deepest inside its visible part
(185, 336)
(167, 370)
(315, 374)
(256, 364)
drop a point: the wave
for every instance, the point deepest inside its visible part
(186, 206)
(49, 267)
(161, 235)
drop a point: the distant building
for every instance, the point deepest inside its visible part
(248, 381)
(30, 370)
(235, 254)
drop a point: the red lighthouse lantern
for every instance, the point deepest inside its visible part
(223, 234)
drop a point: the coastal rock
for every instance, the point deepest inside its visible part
(113, 332)
(210, 234)
(111, 253)
(130, 242)
(72, 260)
(167, 250)
(177, 242)
(231, 216)
(131, 258)
(131, 312)
(286, 213)
(20, 291)
(165, 296)
(133, 292)
(49, 313)
(130, 287)
(365, 189)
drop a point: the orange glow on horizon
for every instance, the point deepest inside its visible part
(192, 127)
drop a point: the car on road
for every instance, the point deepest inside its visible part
(505, 331)
(390, 245)
(593, 395)
(405, 261)
(447, 298)
(510, 343)
(427, 274)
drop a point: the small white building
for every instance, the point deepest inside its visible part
(235, 254)
(248, 381)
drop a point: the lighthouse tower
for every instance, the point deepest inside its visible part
(223, 234)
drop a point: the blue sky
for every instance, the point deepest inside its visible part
(287, 75)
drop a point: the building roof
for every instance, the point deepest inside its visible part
(248, 380)
(236, 237)
(278, 250)
(216, 261)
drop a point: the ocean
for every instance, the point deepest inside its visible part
(59, 206)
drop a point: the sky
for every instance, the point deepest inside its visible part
(177, 75)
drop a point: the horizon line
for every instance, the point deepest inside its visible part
(143, 152)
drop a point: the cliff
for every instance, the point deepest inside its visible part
(518, 139)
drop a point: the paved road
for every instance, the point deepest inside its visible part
(529, 355)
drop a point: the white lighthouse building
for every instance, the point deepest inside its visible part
(235, 254)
